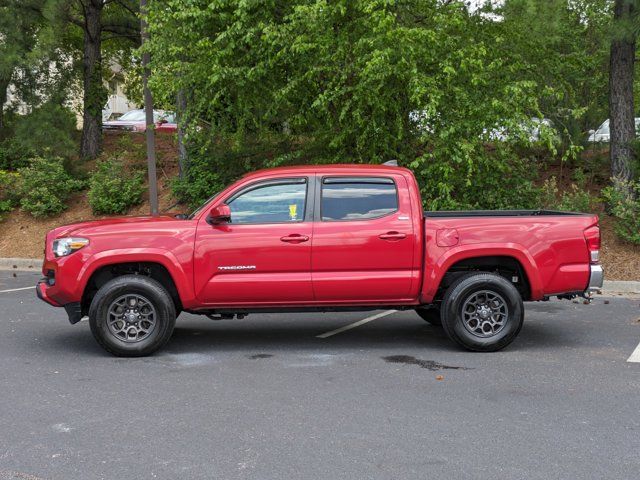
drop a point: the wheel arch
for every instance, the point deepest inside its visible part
(103, 271)
(501, 260)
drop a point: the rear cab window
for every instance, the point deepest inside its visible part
(357, 198)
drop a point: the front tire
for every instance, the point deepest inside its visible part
(132, 316)
(482, 312)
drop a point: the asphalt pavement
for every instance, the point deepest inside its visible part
(269, 397)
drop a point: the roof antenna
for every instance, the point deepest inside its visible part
(391, 163)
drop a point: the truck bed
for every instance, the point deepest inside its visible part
(498, 213)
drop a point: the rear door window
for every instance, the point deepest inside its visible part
(348, 198)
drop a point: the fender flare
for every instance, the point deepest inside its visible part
(434, 272)
(138, 255)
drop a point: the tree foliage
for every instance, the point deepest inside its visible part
(348, 81)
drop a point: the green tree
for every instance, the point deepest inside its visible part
(346, 81)
(82, 32)
(564, 47)
(19, 28)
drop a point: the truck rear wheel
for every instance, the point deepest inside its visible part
(431, 315)
(132, 316)
(483, 312)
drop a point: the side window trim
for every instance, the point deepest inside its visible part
(309, 196)
(333, 179)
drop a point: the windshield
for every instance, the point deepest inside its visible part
(199, 209)
(133, 116)
(138, 116)
(169, 117)
(604, 128)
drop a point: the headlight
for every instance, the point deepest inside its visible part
(65, 246)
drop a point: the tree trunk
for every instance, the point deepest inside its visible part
(95, 93)
(148, 110)
(4, 90)
(622, 123)
(183, 159)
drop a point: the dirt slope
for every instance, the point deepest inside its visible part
(23, 236)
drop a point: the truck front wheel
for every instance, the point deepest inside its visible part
(132, 316)
(482, 312)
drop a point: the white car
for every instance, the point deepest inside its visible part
(531, 130)
(602, 134)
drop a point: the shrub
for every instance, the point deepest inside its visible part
(14, 156)
(9, 182)
(497, 179)
(576, 199)
(45, 185)
(625, 206)
(212, 167)
(5, 207)
(113, 189)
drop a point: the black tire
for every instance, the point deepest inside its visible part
(156, 304)
(430, 315)
(498, 299)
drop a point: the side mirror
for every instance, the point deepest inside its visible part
(220, 214)
(591, 132)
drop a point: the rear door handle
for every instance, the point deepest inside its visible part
(295, 238)
(392, 236)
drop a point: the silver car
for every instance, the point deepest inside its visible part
(602, 134)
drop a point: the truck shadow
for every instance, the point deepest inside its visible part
(269, 338)
(201, 336)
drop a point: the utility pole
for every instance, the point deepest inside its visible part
(148, 110)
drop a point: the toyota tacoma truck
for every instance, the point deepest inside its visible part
(318, 238)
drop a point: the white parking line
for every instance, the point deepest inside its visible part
(356, 324)
(635, 356)
(18, 289)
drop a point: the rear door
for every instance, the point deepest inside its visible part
(363, 240)
(263, 256)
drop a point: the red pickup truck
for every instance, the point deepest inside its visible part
(323, 238)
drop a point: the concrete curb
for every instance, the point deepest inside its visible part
(621, 286)
(21, 264)
(35, 264)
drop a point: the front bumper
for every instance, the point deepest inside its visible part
(41, 291)
(73, 309)
(596, 279)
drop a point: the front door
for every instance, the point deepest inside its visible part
(263, 255)
(363, 243)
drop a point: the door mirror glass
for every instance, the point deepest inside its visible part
(219, 214)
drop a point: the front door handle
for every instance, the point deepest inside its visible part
(392, 236)
(295, 238)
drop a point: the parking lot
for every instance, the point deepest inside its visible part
(270, 397)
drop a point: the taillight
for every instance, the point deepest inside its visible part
(592, 237)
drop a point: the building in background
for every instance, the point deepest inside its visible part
(117, 103)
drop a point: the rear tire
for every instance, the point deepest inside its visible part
(482, 312)
(430, 315)
(132, 316)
